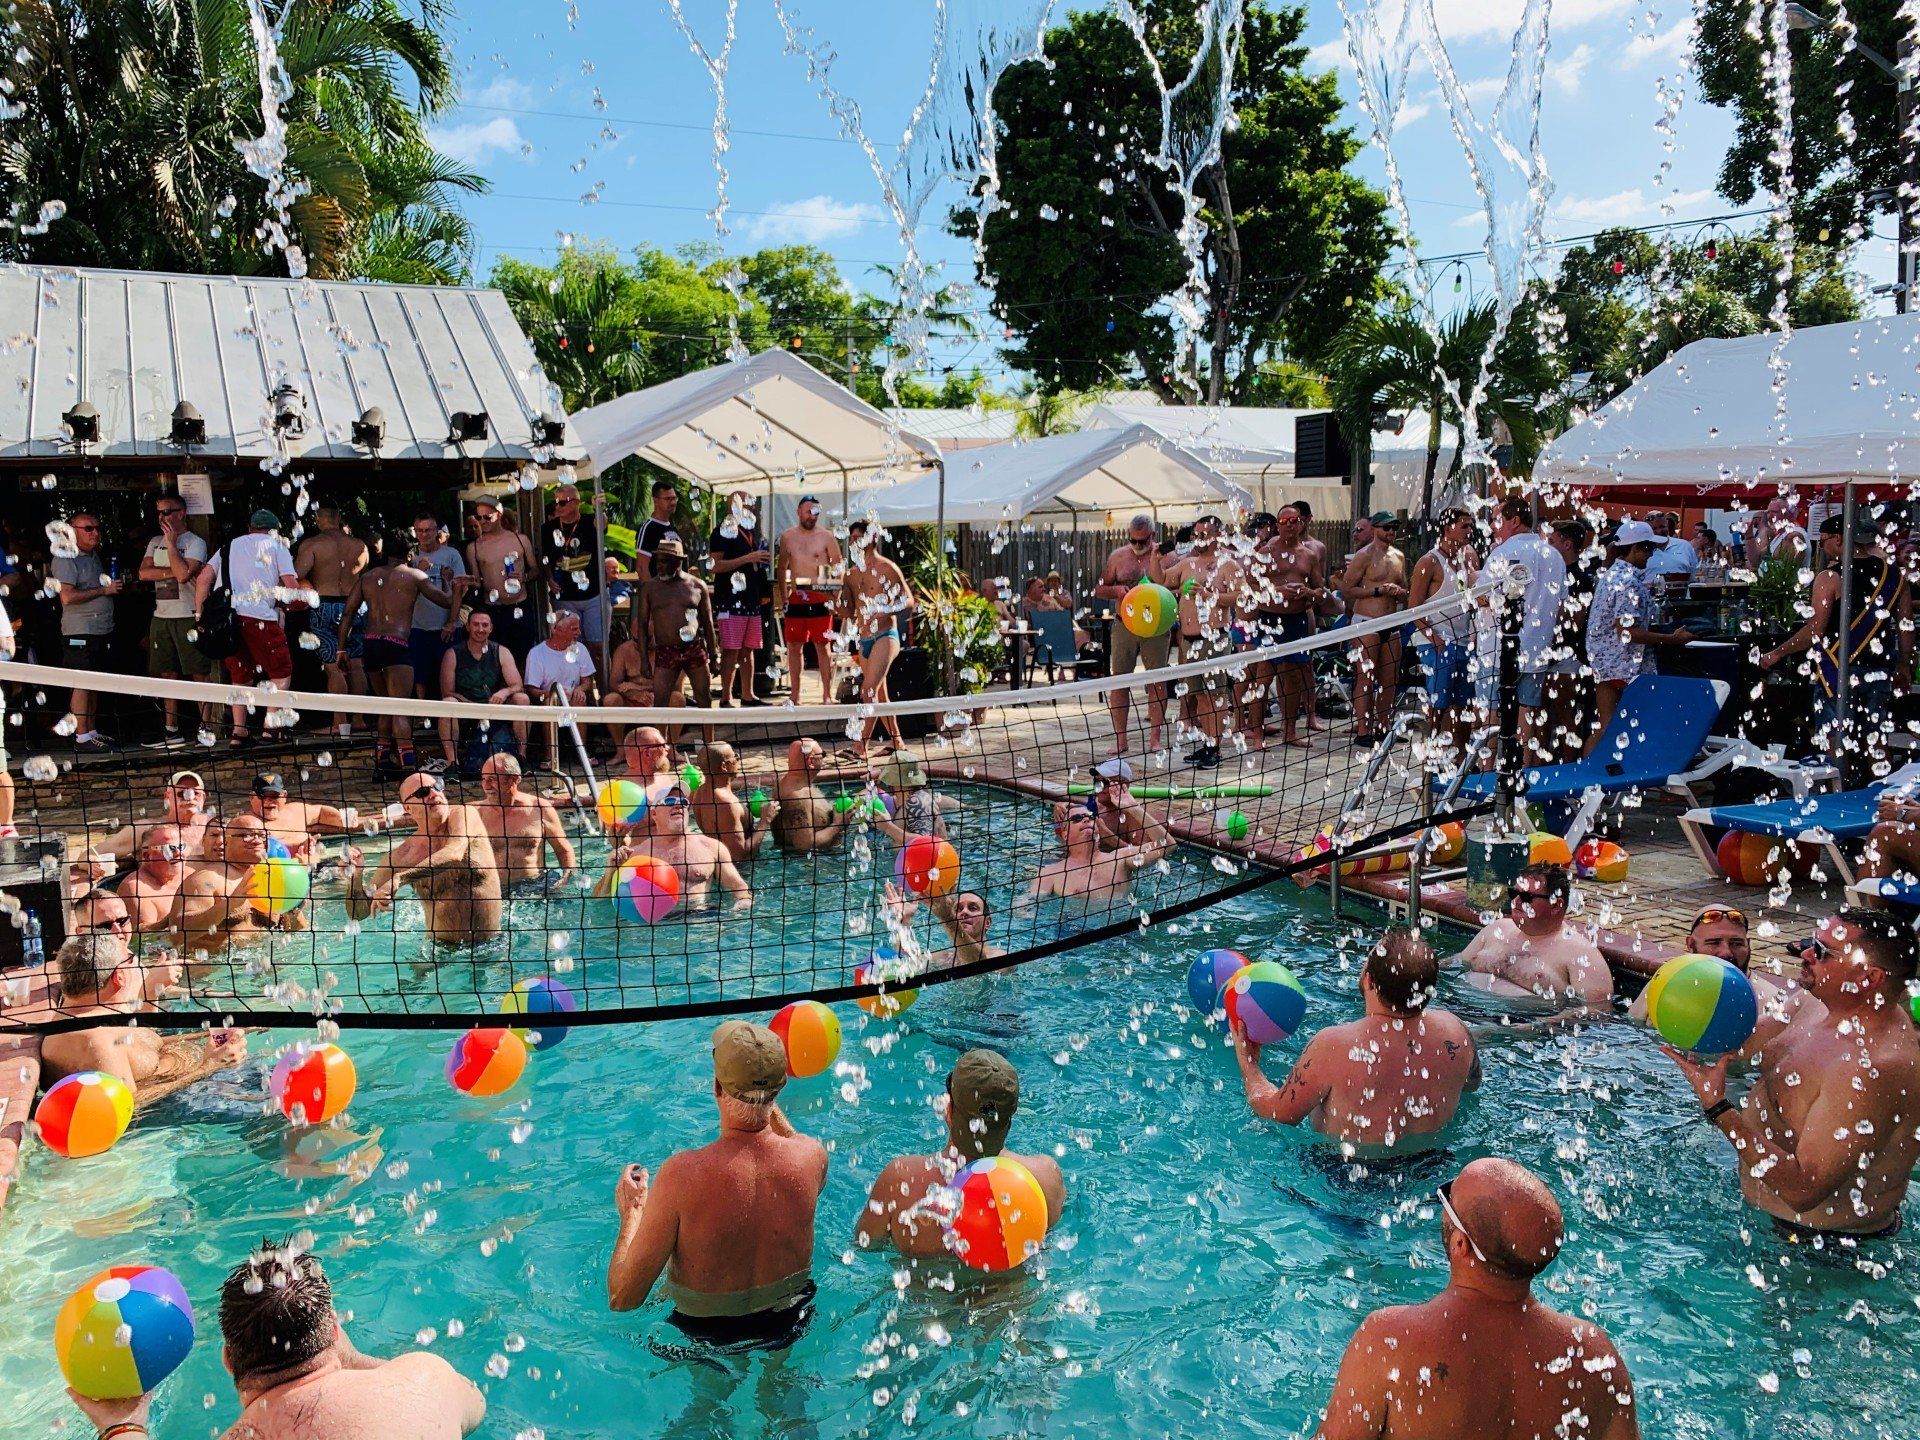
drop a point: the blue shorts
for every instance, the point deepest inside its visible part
(1285, 628)
(1533, 689)
(1449, 676)
(426, 650)
(326, 629)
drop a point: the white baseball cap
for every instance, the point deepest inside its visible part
(1634, 532)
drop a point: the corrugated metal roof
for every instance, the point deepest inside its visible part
(135, 343)
(946, 427)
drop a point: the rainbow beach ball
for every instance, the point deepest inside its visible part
(540, 996)
(1703, 1004)
(1757, 860)
(84, 1114)
(1266, 1001)
(1148, 610)
(811, 1033)
(1002, 1215)
(278, 887)
(1445, 842)
(1600, 860)
(486, 1062)
(648, 889)
(123, 1332)
(1545, 849)
(1208, 976)
(884, 967)
(927, 865)
(620, 803)
(313, 1083)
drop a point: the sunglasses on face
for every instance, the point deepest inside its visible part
(116, 922)
(168, 852)
(673, 802)
(420, 794)
(87, 529)
(176, 510)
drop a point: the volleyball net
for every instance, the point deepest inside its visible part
(605, 864)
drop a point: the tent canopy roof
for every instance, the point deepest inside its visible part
(770, 421)
(1090, 471)
(1705, 418)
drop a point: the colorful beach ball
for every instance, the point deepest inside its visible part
(1703, 1004)
(313, 1083)
(1208, 976)
(927, 865)
(278, 887)
(1002, 1215)
(1757, 860)
(123, 1332)
(486, 1062)
(1446, 842)
(84, 1114)
(277, 849)
(884, 967)
(1266, 1001)
(811, 1033)
(1600, 860)
(620, 803)
(1148, 610)
(540, 996)
(648, 889)
(1546, 849)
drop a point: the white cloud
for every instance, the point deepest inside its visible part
(1329, 55)
(1623, 207)
(1563, 77)
(813, 221)
(1668, 46)
(504, 91)
(476, 141)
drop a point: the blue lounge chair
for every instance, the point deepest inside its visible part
(1819, 822)
(1660, 726)
(1893, 892)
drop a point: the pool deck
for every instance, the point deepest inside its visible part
(1642, 920)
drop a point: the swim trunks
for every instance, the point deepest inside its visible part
(869, 642)
(762, 1330)
(383, 652)
(738, 632)
(1794, 1233)
(680, 657)
(326, 629)
(1288, 628)
(807, 629)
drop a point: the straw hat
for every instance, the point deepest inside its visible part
(904, 772)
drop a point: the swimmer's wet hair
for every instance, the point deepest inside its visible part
(1887, 942)
(1404, 970)
(86, 963)
(276, 1310)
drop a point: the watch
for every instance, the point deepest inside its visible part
(1722, 1106)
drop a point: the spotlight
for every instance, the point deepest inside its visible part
(83, 423)
(549, 432)
(467, 427)
(289, 410)
(188, 428)
(370, 430)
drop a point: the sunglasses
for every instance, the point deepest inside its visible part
(672, 802)
(1537, 893)
(419, 794)
(90, 529)
(566, 500)
(175, 510)
(1445, 1195)
(118, 922)
(1716, 914)
(168, 852)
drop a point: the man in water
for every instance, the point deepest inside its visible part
(330, 560)
(98, 976)
(1532, 952)
(1825, 1141)
(910, 1204)
(182, 805)
(449, 862)
(731, 1224)
(699, 860)
(1085, 873)
(1387, 1083)
(215, 908)
(299, 1377)
(1120, 817)
(723, 814)
(1721, 931)
(963, 914)
(674, 621)
(1375, 585)
(1484, 1360)
(1136, 561)
(390, 590)
(296, 824)
(806, 823)
(522, 827)
(806, 571)
(152, 891)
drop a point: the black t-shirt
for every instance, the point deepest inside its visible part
(748, 598)
(567, 552)
(651, 534)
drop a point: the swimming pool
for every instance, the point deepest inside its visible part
(1208, 1271)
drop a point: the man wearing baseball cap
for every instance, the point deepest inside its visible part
(731, 1224)
(1617, 630)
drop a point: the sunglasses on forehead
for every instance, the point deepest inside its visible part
(1716, 914)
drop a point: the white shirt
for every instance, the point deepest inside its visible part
(261, 564)
(1546, 583)
(547, 667)
(171, 601)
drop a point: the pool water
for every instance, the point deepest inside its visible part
(1207, 1273)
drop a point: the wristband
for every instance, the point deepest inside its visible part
(125, 1427)
(1722, 1106)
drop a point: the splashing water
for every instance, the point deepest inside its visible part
(267, 155)
(716, 64)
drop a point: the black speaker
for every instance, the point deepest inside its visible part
(915, 676)
(1320, 450)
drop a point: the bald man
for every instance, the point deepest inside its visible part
(1484, 1360)
(806, 822)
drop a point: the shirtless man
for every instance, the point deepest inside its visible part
(330, 560)
(963, 914)
(214, 908)
(297, 1375)
(1375, 585)
(724, 815)
(98, 976)
(1095, 877)
(389, 591)
(1721, 931)
(628, 682)
(730, 1224)
(806, 823)
(1825, 1141)
(1208, 584)
(503, 568)
(1388, 1083)
(675, 621)
(296, 824)
(699, 860)
(152, 891)
(1532, 952)
(806, 571)
(182, 805)
(1122, 818)
(1296, 578)
(646, 757)
(910, 1206)
(1484, 1360)
(877, 599)
(449, 862)
(1127, 566)
(522, 827)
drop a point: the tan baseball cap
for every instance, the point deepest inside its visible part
(749, 1061)
(986, 1087)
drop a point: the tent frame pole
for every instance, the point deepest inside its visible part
(600, 570)
(1843, 645)
(940, 563)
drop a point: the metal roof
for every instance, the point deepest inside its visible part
(955, 429)
(133, 343)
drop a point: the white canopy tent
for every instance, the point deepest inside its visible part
(1100, 473)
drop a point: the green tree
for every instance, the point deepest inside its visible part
(1083, 244)
(1841, 179)
(131, 110)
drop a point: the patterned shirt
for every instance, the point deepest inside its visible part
(1619, 601)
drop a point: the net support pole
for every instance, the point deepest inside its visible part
(600, 573)
(1512, 603)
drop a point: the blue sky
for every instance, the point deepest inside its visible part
(613, 105)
